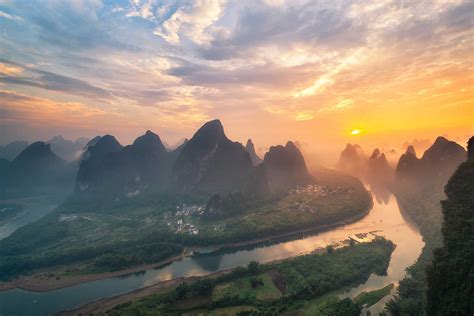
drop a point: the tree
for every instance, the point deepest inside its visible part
(253, 267)
(181, 290)
(203, 287)
(330, 249)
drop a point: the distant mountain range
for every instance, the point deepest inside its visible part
(208, 164)
(67, 149)
(374, 170)
(36, 170)
(433, 169)
(13, 149)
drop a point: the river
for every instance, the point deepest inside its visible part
(385, 218)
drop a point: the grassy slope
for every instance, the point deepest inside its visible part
(232, 293)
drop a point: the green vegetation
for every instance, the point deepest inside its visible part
(451, 276)
(113, 239)
(331, 306)
(372, 297)
(299, 284)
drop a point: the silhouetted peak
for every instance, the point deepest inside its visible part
(209, 134)
(35, 152)
(93, 141)
(280, 154)
(58, 138)
(440, 141)
(149, 141)
(470, 147)
(410, 151)
(290, 145)
(107, 140)
(443, 149)
(37, 147)
(375, 153)
(250, 148)
(99, 147)
(213, 127)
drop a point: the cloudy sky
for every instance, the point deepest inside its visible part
(271, 70)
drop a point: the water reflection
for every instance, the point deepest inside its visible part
(385, 218)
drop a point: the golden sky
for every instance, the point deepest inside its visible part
(312, 71)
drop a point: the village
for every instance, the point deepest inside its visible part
(303, 195)
(179, 220)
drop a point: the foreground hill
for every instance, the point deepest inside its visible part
(451, 277)
(419, 184)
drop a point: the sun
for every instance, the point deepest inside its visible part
(356, 132)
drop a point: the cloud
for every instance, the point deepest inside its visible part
(10, 70)
(25, 109)
(15, 74)
(10, 16)
(317, 24)
(283, 60)
(191, 20)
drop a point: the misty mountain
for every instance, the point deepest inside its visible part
(94, 163)
(353, 161)
(210, 162)
(250, 148)
(282, 169)
(38, 170)
(13, 149)
(379, 170)
(67, 149)
(113, 173)
(435, 166)
(285, 167)
(176, 145)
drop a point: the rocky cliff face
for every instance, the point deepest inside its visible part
(450, 275)
(114, 173)
(210, 162)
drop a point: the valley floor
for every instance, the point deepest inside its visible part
(57, 277)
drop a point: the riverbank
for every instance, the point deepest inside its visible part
(34, 283)
(380, 249)
(39, 282)
(105, 304)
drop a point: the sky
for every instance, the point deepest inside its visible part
(379, 73)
